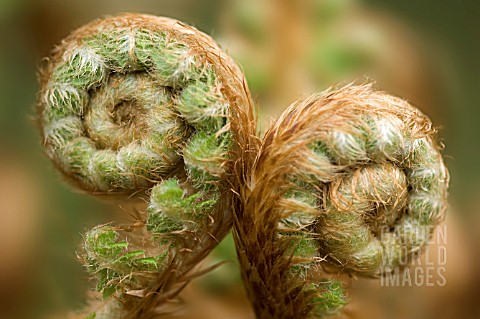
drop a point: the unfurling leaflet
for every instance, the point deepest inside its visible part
(146, 107)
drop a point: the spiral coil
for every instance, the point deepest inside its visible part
(136, 104)
(349, 180)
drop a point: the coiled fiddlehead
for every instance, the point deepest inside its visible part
(349, 179)
(137, 104)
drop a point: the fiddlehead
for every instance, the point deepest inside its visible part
(350, 180)
(139, 105)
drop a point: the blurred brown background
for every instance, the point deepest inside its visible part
(425, 51)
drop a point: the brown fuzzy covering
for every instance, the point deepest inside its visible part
(286, 159)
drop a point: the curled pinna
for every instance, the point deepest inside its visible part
(349, 180)
(142, 106)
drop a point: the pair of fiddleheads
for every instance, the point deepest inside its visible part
(137, 105)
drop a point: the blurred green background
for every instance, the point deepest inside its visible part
(425, 51)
